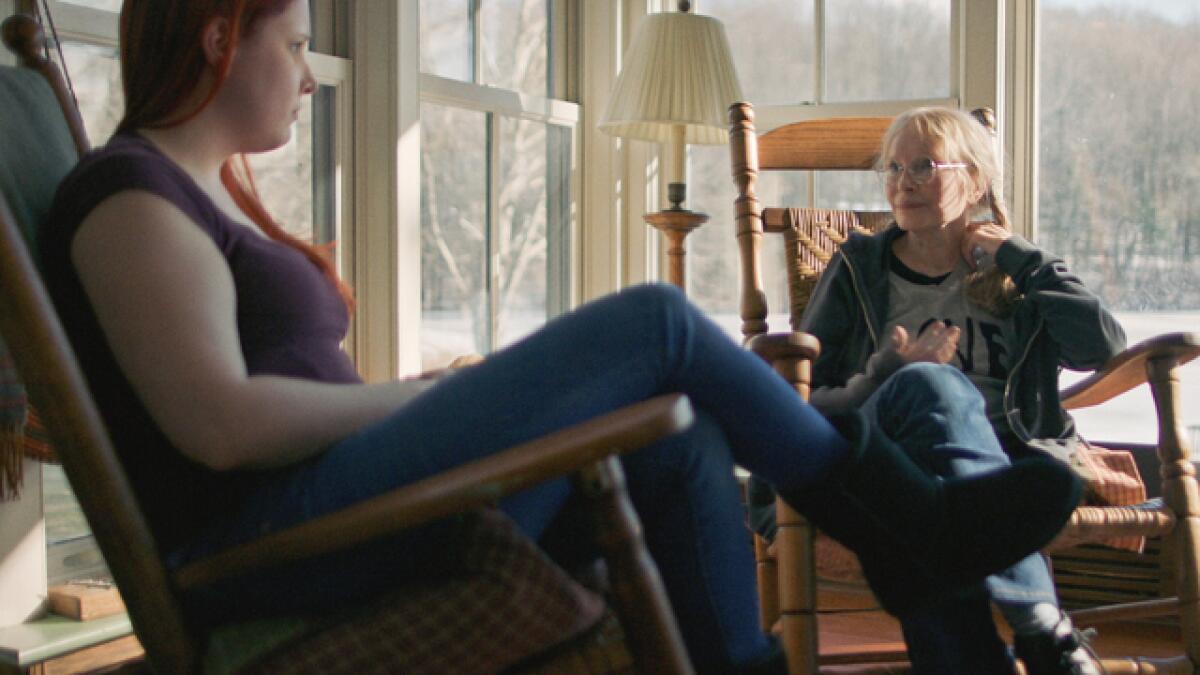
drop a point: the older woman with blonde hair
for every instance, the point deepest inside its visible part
(948, 331)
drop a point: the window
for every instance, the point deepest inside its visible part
(497, 149)
(880, 57)
(106, 5)
(302, 184)
(901, 52)
(1117, 177)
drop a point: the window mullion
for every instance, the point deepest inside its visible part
(476, 32)
(819, 51)
(492, 215)
(819, 76)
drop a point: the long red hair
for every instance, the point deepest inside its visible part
(162, 66)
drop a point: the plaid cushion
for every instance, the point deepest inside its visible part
(1113, 480)
(12, 426)
(511, 602)
(37, 439)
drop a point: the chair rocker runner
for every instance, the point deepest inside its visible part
(811, 236)
(47, 138)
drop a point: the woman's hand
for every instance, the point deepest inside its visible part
(981, 239)
(465, 361)
(936, 344)
(459, 362)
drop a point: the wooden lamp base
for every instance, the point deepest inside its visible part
(676, 223)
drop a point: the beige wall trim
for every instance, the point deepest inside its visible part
(599, 246)
(387, 199)
(1021, 85)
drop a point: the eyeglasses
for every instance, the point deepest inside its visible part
(919, 170)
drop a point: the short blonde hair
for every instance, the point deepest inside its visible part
(959, 136)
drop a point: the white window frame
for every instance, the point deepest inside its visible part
(498, 103)
(386, 38)
(976, 73)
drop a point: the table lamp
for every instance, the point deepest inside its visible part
(675, 86)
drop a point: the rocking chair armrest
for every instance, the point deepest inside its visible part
(463, 488)
(1128, 369)
(794, 345)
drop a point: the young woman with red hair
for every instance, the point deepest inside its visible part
(213, 344)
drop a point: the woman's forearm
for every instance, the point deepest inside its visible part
(269, 421)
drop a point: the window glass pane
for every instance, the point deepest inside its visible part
(284, 177)
(446, 38)
(516, 44)
(455, 316)
(108, 5)
(298, 181)
(713, 267)
(64, 519)
(96, 78)
(883, 49)
(853, 190)
(1118, 178)
(770, 71)
(520, 245)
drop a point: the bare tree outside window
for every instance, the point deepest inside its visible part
(515, 45)
(454, 161)
(491, 183)
(780, 73)
(445, 34)
(522, 222)
(901, 51)
(96, 78)
(1119, 182)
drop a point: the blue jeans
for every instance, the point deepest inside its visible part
(618, 350)
(937, 415)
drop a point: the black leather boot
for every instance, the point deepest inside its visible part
(1062, 651)
(920, 537)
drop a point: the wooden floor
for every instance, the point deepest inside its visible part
(853, 628)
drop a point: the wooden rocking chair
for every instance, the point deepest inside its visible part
(45, 139)
(811, 236)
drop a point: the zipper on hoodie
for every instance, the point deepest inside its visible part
(1011, 414)
(862, 304)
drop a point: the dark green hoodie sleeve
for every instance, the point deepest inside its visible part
(1086, 333)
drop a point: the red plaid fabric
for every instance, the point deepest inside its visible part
(12, 426)
(37, 439)
(512, 603)
(1113, 480)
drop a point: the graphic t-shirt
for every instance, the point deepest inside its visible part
(916, 301)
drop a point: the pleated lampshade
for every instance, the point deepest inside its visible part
(678, 72)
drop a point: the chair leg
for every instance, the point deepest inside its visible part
(767, 572)
(639, 597)
(796, 558)
(1182, 495)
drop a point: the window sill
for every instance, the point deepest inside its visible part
(27, 644)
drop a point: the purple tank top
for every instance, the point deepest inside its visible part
(290, 321)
